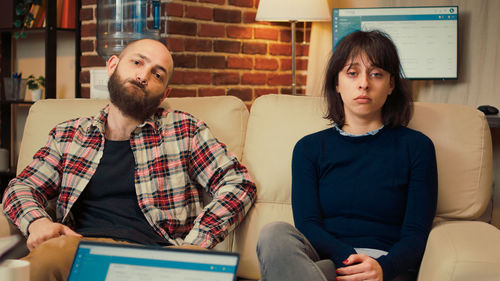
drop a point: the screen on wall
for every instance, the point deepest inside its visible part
(426, 37)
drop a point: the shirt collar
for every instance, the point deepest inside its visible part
(99, 120)
(370, 133)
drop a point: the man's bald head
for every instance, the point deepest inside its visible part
(154, 50)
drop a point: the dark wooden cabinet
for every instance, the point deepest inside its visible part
(50, 33)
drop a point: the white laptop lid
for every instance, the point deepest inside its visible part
(118, 262)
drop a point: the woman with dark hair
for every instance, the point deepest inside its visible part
(364, 192)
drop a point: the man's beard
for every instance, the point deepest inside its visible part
(135, 102)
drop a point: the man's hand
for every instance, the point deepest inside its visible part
(43, 229)
(360, 268)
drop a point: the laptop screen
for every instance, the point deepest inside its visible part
(118, 262)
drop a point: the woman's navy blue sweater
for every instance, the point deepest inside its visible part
(377, 191)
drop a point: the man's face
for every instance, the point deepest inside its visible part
(133, 101)
(139, 78)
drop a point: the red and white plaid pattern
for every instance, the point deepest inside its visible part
(176, 158)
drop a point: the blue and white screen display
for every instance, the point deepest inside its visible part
(108, 263)
(426, 37)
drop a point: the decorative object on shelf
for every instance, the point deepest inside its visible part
(15, 87)
(67, 14)
(25, 15)
(293, 11)
(36, 86)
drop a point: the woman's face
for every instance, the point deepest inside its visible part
(364, 88)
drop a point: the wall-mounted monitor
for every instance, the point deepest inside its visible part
(426, 37)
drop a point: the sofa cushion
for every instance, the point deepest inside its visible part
(462, 251)
(276, 123)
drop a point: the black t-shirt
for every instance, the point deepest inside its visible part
(108, 206)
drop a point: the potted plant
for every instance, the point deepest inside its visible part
(36, 86)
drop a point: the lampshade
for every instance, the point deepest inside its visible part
(293, 10)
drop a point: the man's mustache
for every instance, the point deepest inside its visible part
(139, 85)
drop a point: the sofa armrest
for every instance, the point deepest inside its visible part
(461, 250)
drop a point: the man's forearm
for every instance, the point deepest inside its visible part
(21, 206)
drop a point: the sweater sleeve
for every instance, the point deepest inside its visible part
(419, 213)
(306, 208)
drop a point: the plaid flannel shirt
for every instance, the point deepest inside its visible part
(176, 157)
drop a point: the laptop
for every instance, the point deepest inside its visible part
(8, 245)
(118, 262)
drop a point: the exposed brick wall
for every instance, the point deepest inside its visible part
(218, 49)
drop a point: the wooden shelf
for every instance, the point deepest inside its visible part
(8, 108)
(17, 102)
(50, 33)
(35, 30)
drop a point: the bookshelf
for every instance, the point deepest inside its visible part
(9, 109)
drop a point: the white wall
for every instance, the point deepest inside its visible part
(30, 59)
(479, 52)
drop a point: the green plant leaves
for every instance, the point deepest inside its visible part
(35, 83)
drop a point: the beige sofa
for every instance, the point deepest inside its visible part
(459, 246)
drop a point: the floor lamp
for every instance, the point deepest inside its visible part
(293, 11)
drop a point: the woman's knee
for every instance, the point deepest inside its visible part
(275, 236)
(275, 230)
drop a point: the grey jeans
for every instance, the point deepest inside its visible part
(285, 254)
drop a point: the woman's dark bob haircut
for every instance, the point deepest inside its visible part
(382, 53)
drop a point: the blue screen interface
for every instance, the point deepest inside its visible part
(129, 264)
(426, 37)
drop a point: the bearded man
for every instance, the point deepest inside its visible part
(134, 173)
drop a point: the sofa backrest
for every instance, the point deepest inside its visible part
(226, 116)
(276, 123)
(460, 135)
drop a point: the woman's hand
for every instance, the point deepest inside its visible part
(360, 267)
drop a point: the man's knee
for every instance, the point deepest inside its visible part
(52, 259)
